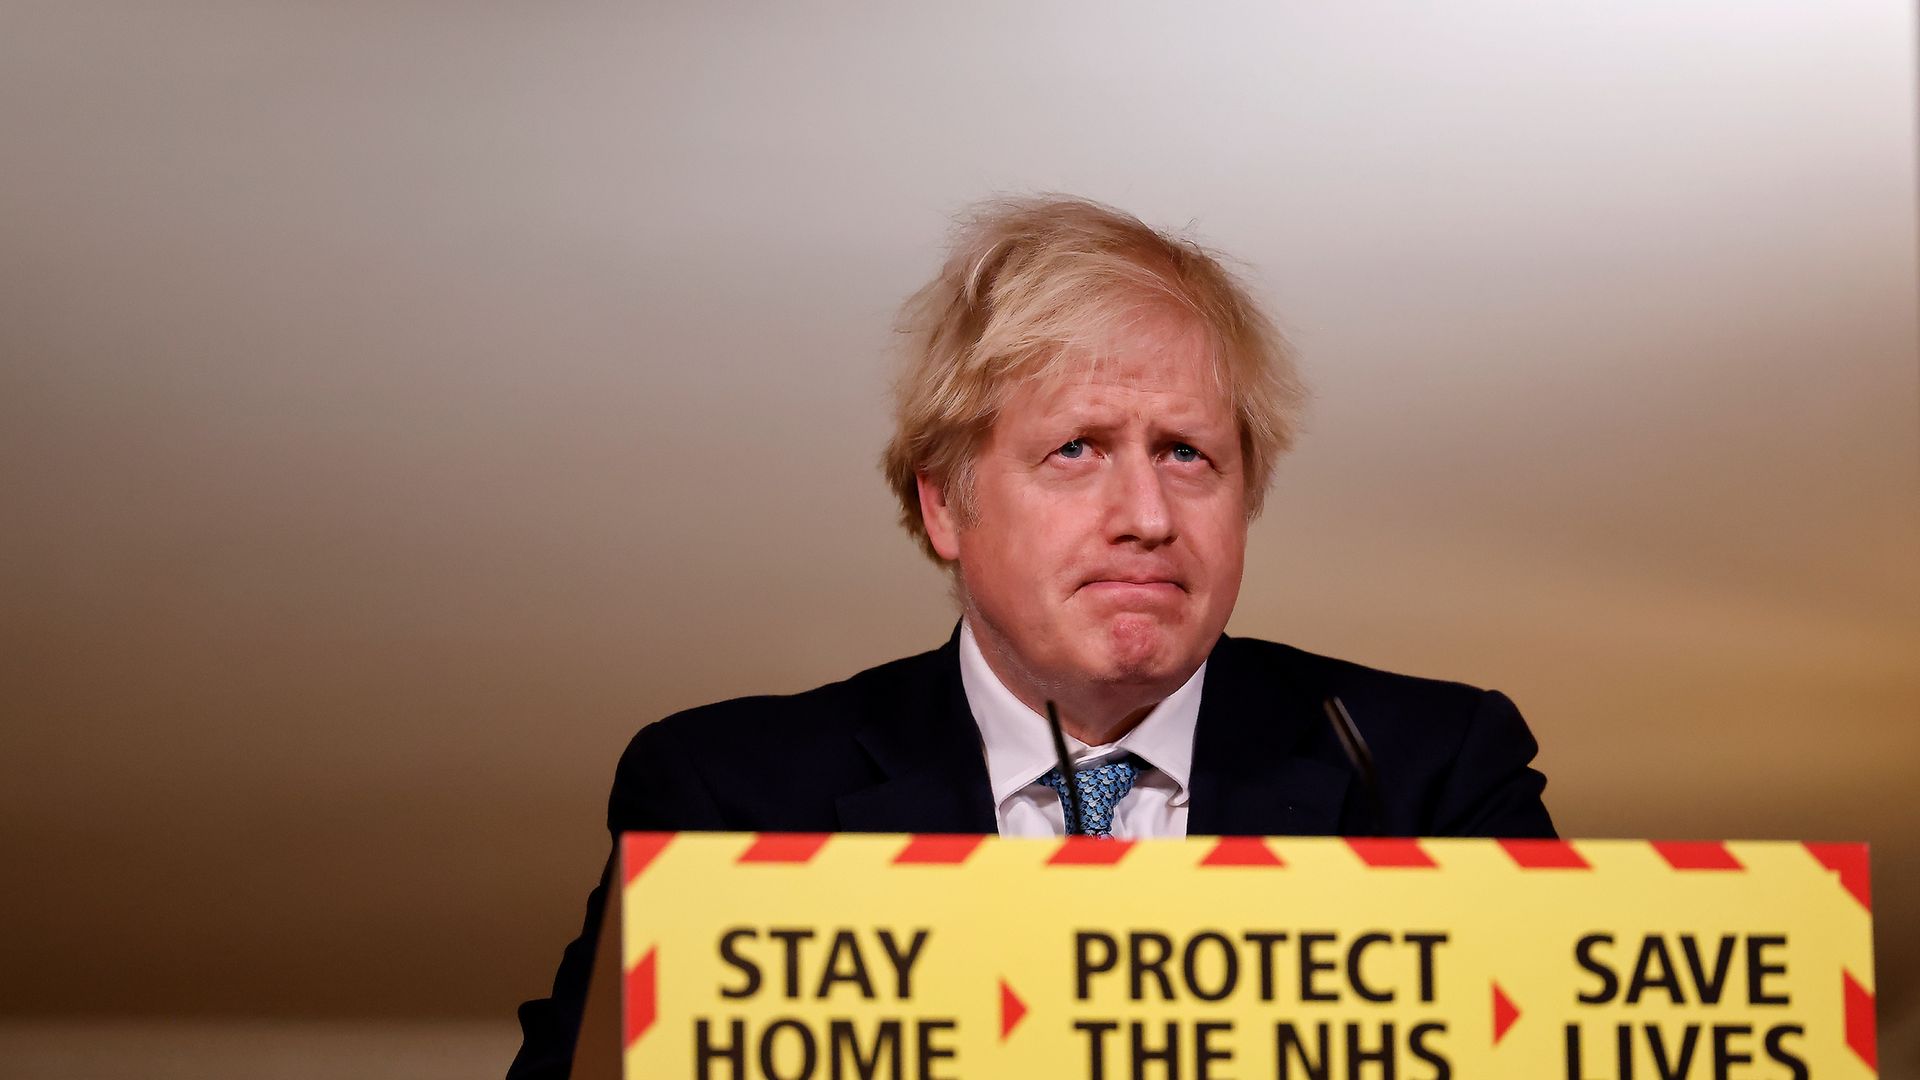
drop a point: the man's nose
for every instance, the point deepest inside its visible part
(1140, 512)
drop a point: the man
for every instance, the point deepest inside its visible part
(1089, 420)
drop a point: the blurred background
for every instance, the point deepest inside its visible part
(401, 403)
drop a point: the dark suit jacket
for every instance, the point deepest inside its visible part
(895, 749)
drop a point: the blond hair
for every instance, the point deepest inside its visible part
(1031, 285)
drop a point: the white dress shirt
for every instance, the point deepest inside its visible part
(1019, 749)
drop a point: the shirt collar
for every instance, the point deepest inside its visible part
(1019, 746)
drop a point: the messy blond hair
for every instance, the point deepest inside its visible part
(1034, 284)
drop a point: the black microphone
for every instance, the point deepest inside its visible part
(1355, 745)
(1069, 807)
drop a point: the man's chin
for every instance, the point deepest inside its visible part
(1142, 650)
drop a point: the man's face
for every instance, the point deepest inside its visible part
(1109, 523)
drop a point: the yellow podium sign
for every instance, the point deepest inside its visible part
(808, 957)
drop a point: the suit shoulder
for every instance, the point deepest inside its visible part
(774, 720)
(1399, 714)
(1331, 675)
(771, 761)
(1453, 759)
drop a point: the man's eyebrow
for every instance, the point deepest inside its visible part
(1088, 417)
(1196, 425)
(1100, 420)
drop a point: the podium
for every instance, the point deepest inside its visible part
(809, 957)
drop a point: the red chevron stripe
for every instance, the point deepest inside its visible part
(1696, 855)
(937, 849)
(1858, 1009)
(1380, 851)
(1850, 862)
(1241, 851)
(638, 850)
(784, 847)
(640, 989)
(1089, 851)
(1544, 855)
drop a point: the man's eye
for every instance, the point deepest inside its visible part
(1183, 453)
(1072, 449)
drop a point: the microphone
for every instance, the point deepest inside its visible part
(1069, 800)
(1355, 745)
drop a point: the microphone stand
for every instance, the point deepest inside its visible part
(1069, 799)
(1358, 754)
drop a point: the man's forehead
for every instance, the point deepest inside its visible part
(1140, 334)
(1187, 377)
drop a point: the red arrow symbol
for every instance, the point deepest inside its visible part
(1504, 1013)
(1011, 1009)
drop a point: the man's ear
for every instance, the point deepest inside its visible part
(942, 523)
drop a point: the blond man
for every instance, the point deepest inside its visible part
(1087, 423)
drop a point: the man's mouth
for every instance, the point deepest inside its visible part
(1133, 584)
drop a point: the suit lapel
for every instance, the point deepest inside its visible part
(1255, 770)
(927, 748)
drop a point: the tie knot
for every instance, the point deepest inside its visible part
(1097, 790)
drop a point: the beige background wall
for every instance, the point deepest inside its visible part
(400, 403)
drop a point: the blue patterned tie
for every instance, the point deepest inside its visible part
(1097, 791)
